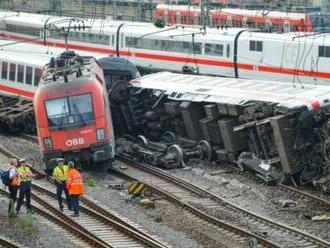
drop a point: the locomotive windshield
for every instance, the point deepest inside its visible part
(70, 111)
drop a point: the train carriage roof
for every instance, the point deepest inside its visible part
(234, 91)
(148, 30)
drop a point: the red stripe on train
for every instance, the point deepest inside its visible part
(177, 59)
(16, 91)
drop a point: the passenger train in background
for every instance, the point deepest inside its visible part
(293, 57)
(70, 95)
(272, 20)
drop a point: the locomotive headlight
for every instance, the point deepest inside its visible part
(48, 143)
(100, 133)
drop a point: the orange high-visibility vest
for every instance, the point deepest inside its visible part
(15, 181)
(74, 184)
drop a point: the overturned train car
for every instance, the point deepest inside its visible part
(276, 130)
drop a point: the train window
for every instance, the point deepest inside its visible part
(132, 42)
(57, 110)
(157, 45)
(122, 40)
(37, 76)
(148, 44)
(23, 29)
(213, 49)
(105, 40)
(198, 48)
(91, 38)
(255, 46)
(28, 75)
(228, 51)
(113, 40)
(20, 73)
(68, 111)
(4, 70)
(186, 47)
(12, 72)
(163, 45)
(324, 51)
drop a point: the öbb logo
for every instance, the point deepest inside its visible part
(74, 142)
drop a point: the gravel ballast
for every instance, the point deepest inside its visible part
(254, 195)
(237, 188)
(112, 198)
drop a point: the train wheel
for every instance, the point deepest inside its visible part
(206, 150)
(177, 152)
(142, 140)
(169, 137)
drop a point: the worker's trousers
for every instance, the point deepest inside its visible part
(24, 191)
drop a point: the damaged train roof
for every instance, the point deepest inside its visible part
(197, 88)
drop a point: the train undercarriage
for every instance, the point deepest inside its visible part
(16, 114)
(275, 143)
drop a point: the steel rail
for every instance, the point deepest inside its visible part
(6, 243)
(199, 213)
(60, 219)
(121, 226)
(304, 194)
(205, 193)
(95, 211)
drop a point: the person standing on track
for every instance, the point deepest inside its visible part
(60, 175)
(13, 185)
(75, 187)
(25, 176)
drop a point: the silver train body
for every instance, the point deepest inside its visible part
(298, 58)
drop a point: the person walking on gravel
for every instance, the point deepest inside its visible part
(75, 187)
(25, 176)
(60, 175)
(13, 185)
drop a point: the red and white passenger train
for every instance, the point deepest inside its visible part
(293, 57)
(276, 20)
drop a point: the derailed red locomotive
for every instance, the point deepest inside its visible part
(72, 111)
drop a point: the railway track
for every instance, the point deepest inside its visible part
(105, 228)
(200, 201)
(76, 234)
(307, 194)
(6, 243)
(204, 203)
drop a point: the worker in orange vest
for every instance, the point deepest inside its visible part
(13, 184)
(75, 187)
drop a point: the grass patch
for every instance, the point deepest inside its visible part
(28, 224)
(91, 182)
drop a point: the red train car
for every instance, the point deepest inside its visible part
(191, 15)
(72, 112)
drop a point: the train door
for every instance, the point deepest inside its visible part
(256, 51)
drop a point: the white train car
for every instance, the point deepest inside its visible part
(298, 58)
(21, 66)
(276, 130)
